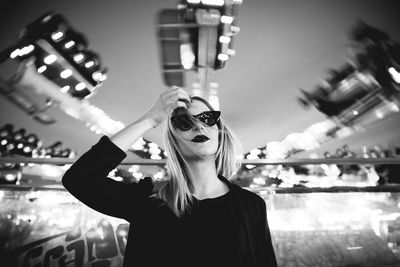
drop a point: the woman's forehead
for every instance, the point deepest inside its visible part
(196, 107)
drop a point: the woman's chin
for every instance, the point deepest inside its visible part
(201, 154)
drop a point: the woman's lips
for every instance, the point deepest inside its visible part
(200, 138)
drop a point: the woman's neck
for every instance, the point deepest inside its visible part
(205, 179)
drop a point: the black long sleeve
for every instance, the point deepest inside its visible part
(229, 230)
(266, 243)
(87, 180)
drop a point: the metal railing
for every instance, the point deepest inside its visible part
(288, 162)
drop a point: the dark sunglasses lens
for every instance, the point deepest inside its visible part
(182, 122)
(209, 118)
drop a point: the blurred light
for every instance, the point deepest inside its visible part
(42, 69)
(65, 89)
(69, 44)
(226, 19)
(57, 35)
(231, 52)
(80, 86)
(97, 75)
(223, 57)
(187, 56)
(235, 29)
(224, 39)
(138, 145)
(89, 64)
(134, 168)
(79, 57)
(66, 73)
(137, 175)
(50, 59)
(3, 142)
(259, 181)
(103, 77)
(46, 19)
(193, 1)
(379, 114)
(255, 151)
(14, 53)
(214, 101)
(22, 52)
(158, 175)
(394, 107)
(26, 50)
(10, 177)
(100, 232)
(355, 112)
(276, 150)
(51, 171)
(10, 146)
(153, 145)
(395, 74)
(122, 232)
(213, 2)
(251, 156)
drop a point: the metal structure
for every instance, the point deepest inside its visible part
(50, 47)
(51, 65)
(366, 88)
(197, 36)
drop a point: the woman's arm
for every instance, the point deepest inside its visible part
(165, 104)
(87, 178)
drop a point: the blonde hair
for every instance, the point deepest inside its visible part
(177, 188)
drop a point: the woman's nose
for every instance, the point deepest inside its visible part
(198, 126)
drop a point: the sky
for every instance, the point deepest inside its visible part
(282, 46)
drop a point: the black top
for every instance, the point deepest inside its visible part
(229, 230)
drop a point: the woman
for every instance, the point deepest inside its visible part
(195, 217)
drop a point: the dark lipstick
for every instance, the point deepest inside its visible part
(200, 138)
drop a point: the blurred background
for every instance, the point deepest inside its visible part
(282, 46)
(311, 87)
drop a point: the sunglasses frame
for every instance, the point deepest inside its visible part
(214, 114)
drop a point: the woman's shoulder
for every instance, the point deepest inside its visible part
(144, 186)
(246, 194)
(153, 185)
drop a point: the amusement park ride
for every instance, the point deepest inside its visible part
(51, 64)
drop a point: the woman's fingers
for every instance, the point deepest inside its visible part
(177, 97)
(176, 90)
(181, 104)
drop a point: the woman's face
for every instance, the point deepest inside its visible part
(201, 141)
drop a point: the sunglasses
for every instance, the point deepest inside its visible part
(185, 121)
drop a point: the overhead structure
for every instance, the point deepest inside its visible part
(197, 36)
(60, 54)
(365, 89)
(51, 64)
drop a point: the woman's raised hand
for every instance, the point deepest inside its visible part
(168, 100)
